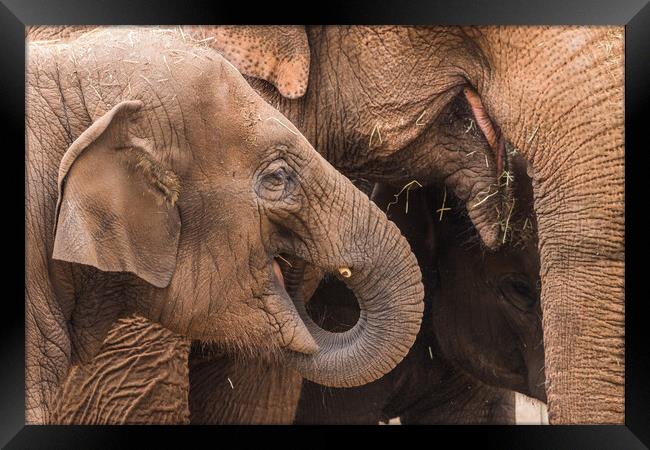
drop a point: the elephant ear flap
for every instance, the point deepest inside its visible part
(277, 54)
(116, 207)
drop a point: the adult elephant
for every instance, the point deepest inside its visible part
(379, 101)
(159, 182)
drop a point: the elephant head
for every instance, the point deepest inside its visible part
(490, 301)
(179, 192)
(456, 104)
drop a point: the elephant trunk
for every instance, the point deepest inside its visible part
(582, 266)
(375, 261)
(576, 160)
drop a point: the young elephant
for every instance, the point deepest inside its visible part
(480, 338)
(159, 182)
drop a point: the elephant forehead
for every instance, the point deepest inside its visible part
(395, 56)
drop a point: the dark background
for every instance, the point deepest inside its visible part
(15, 14)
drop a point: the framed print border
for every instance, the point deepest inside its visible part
(634, 14)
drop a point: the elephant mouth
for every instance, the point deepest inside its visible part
(283, 303)
(293, 282)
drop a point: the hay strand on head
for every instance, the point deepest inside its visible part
(505, 230)
(408, 186)
(442, 209)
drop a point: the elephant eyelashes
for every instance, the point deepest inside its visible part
(275, 182)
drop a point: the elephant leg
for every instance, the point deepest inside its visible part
(138, 377)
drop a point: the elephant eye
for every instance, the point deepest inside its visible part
(516, 289)
(275, 181)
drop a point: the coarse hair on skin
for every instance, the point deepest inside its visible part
(264, 350)
(161, 179)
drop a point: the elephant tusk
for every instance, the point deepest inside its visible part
(345, 272)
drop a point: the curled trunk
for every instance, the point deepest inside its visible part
(385, 278)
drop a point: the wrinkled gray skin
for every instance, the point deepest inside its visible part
(379, 103)
(123, 386)
(160, 183)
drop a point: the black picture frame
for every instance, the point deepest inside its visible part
(634, 14)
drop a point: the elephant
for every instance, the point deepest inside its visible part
(160, 183)
(480, 340)
(461, 368)
(398, 104)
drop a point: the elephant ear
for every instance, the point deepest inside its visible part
(277, 54)
(116, 207)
